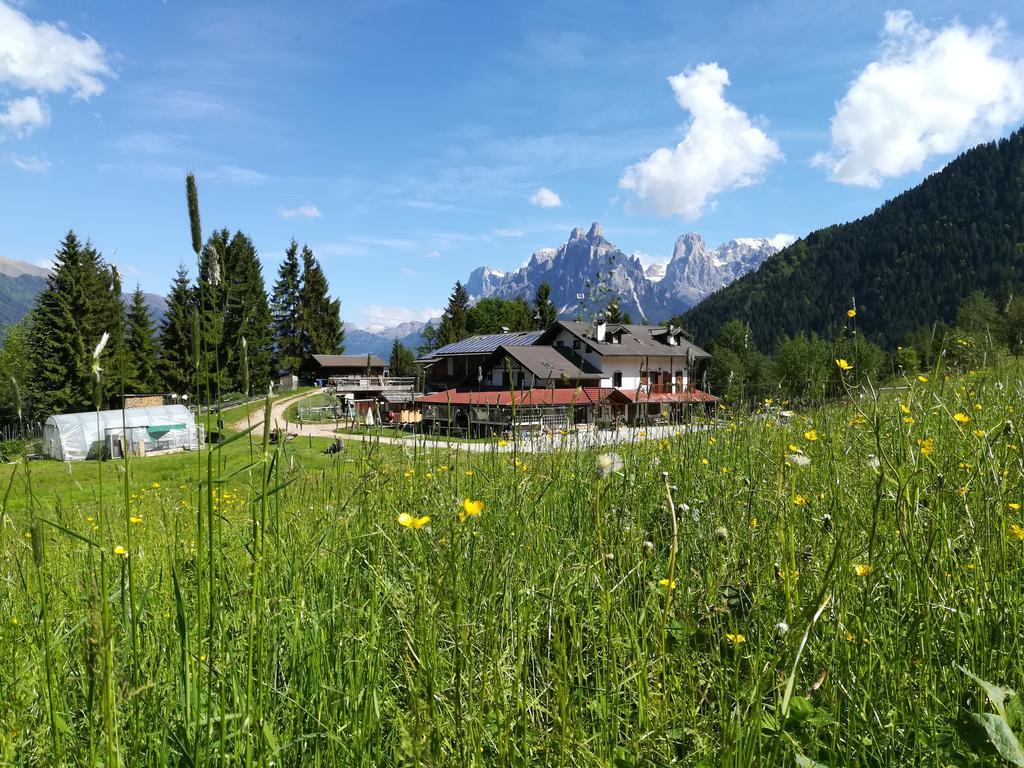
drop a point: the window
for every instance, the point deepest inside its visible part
(617, 379)
(576, 345)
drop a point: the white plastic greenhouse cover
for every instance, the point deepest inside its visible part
(77, 436)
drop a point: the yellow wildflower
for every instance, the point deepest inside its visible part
(979, 433)
(470, 508)
(502, 443)
(671, 584)
(120, 551)
(736, 639)
(851, 313)
(155, 486)
(407, 520)
(469, 473)
(923, 379)
(843, 364)
(753, 522)
(811, 435)
(908, 419)
(800, 500)
(904, 408)
(135, 519)
(862, 569)
(1016, 532)
(927, 446)
(961, 418)
(1014, 506)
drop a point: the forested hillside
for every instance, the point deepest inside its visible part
(906, 265)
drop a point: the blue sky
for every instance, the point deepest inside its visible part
(409, 142)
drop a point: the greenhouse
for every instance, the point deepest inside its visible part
(112, 434)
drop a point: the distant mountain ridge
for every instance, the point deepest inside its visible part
(21, 282)
(587, 264)
(907, 265)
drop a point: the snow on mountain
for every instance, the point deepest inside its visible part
(589, 266)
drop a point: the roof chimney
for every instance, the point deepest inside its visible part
(600, 328)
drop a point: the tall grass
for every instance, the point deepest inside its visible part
(814, 607)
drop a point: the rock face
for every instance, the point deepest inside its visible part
(587, 271)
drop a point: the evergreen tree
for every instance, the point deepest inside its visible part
(454, 320)
(284, 308)
(320, 326)
(402, 362)
(429, 334)
(614, 314)
(140, 347)
(211, 298)
(544, 307)
(493, 314)
(81, 302)
(16, 364)
(246, 314)
(177, 363)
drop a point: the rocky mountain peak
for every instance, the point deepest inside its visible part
(689, 245)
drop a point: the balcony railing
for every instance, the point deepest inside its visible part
(372, 383)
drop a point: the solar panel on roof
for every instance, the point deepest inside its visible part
(481, 345)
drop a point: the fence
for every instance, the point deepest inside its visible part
(27, 430)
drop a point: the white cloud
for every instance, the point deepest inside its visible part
(233, 174)
(432, 255)
(782, 239)
(22, 116)
(304, 211)
(504, 232)
(377, 317)
(647, 259)
(930, 93)
(721, 150)
(30, 163)
(546, 198)
(41, 57)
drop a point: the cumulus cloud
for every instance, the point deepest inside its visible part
(721, 150)
(22, 116)
(379, 317)
(41, 58)
(781, 240)
(546, 198)
(304, 211)
(929, 93)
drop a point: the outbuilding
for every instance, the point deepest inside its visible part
(112, 434)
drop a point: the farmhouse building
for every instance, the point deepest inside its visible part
(571, 374)
(326, 366)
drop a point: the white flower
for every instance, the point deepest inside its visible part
(781, 629)
(607, 463)
(798, 460)
(873, 461)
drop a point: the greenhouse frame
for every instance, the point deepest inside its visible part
(112, 434)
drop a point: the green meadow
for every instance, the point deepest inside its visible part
(841, 587)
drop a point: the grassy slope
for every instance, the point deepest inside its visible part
(512, 637)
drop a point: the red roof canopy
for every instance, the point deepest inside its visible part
(688, 396)
(520, 397)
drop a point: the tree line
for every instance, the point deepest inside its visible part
(221, 334)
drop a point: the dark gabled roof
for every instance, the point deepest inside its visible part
(482, 345)
(545, 363)
(635, 340)
(348, 361)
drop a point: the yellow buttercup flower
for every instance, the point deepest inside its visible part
(155, 486)
(1014, 506)
(862, 569)
(979, 433)
(851, 313)
(961, 418)
(671, 584)
(800, 500)
(135, 519)
(736, 639)
(1016, 532)
(927, 446)
(843, 364)
(811, 435)
(904, 408)
(120, 551)
(923, 379)
(407, 520)
(470, 508)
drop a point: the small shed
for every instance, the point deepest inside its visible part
(112, 434)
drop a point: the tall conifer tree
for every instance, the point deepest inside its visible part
(177, 363)
(320, 325)
(453, 325)
(246, 314)
(284, 308)
(140, 347)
